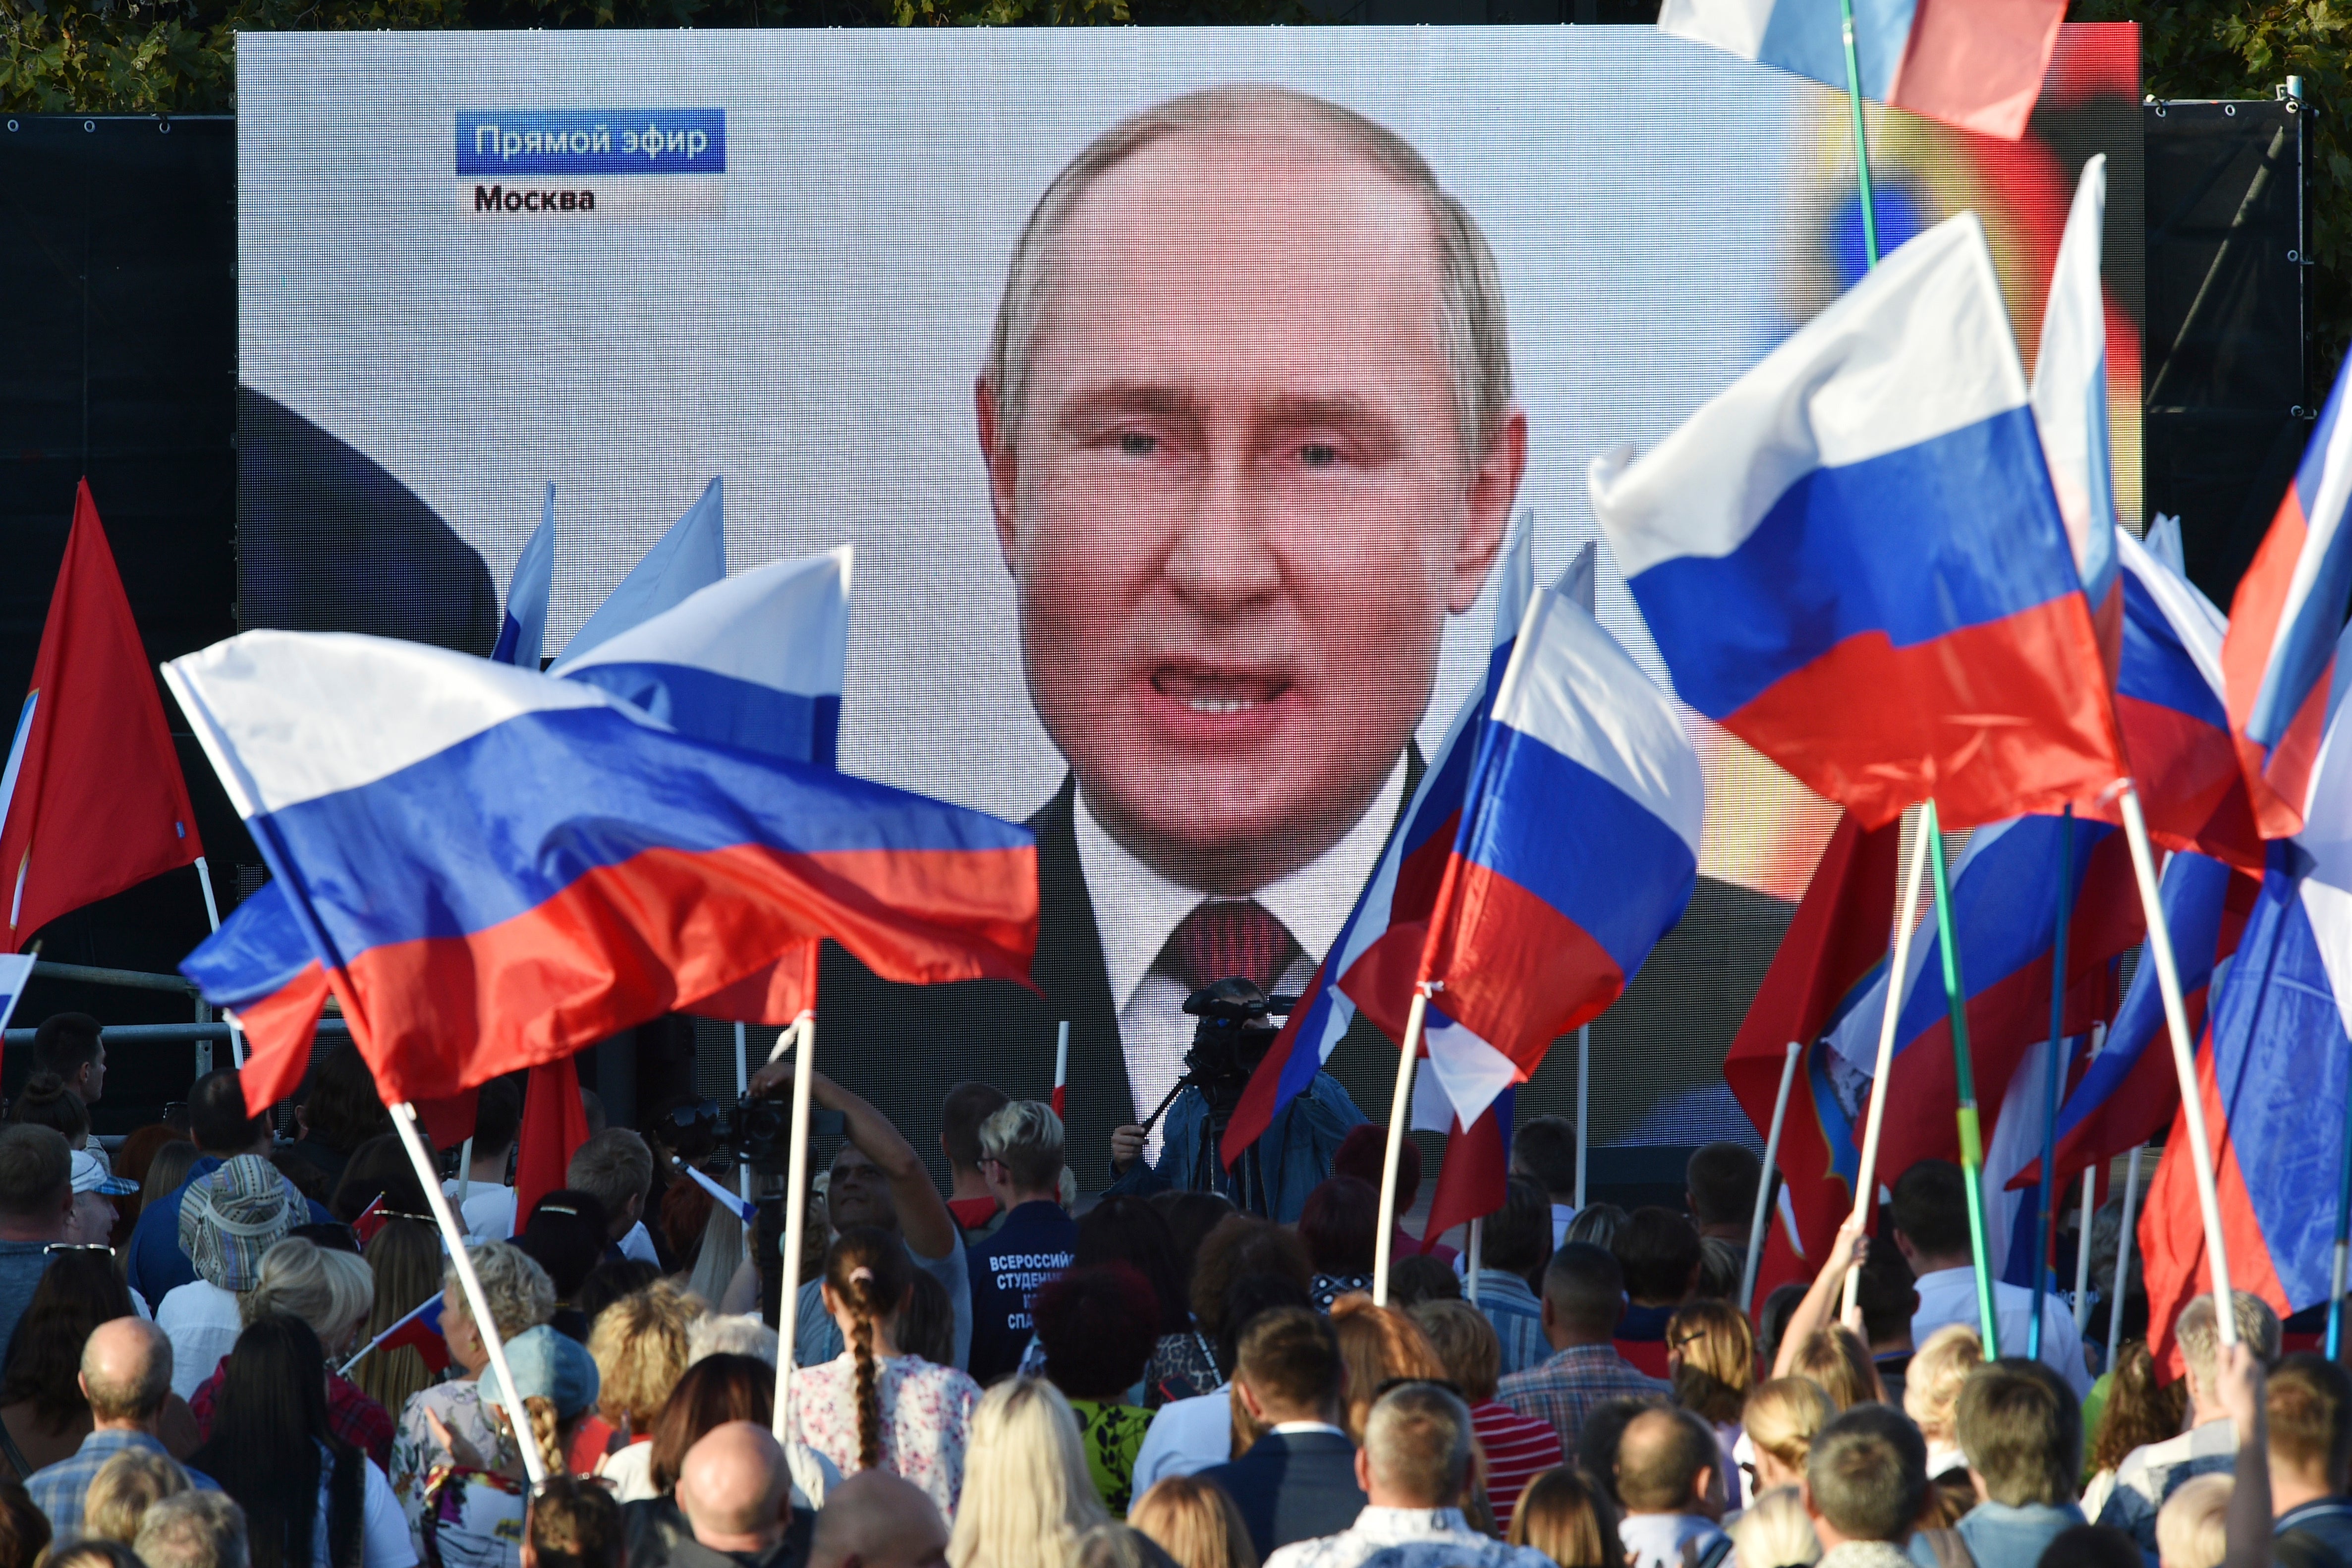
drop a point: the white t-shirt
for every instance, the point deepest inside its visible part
(1186, 1437)
(383, 1530)
(488, 1211)
(200, 1319)
(631, 1472)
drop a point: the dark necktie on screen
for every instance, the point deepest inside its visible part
(1225, 937)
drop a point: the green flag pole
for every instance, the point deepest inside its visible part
(1861, 138)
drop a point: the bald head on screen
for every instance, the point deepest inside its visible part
(1250, 435)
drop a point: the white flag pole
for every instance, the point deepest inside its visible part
(1907, 916)
(1384, 1239)
(1477, 1258)
(1583, 1102)
(2184, 1065)
(1764, 1182)
(742, 1087)
(2123, 1259)
(404, 1121)
(2083, 1252)
(796, 1218)
(212, 914)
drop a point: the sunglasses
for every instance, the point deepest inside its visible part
(56, 1247)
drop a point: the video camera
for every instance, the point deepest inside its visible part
(758, 1132)
(1236, 1028)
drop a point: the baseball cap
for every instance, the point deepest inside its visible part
(90, 1176)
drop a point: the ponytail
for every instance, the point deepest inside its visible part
(869, 1273)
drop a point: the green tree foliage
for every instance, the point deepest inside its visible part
(2244, 49)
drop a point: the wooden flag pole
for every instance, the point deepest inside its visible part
(1764, 1181)
(1384, 1239)
(1906, 915)
(2184, 1063)
(795, 1217)
(404, 1121)
(1964, 1083)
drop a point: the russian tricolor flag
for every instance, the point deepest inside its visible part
(1852, 559)
(2280, 656)
(1578, 850)
(522, 630)
(495, 867)
(1977, 64)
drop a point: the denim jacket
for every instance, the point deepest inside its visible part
(1293, 1158)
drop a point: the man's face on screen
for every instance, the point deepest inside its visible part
(1238, 506)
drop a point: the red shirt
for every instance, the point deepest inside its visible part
(1518, 1449)
(351, 1415)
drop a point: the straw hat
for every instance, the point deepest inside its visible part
(232, 1216)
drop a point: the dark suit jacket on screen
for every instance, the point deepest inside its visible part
(1293, 1486)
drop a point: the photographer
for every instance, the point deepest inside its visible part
(1275, 1173)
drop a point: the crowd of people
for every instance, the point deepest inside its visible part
(210, 1361)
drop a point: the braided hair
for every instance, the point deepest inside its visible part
(869, 1273)
(546, 1432)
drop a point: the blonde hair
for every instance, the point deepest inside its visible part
(1466, 1342)
(520, 1294)
(1195, 1522)
(1027, 1495)
(1781, 1416)
(124, 1488)
(405, 1258)
(1931, 1385)
(1377, 1345)
(1025, 1137)
(2201, 1334)
(331, 1291)
(2192, 1528)
(1564, 1514)
(1836, 1360)
(1473, 324)
(640, 1345)
(1775, 1532)
(1715, 1355)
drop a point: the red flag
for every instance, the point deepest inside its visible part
(777, 994)
(92, 796)
(1476, 1175)
(1838, 938)
(554, 1125)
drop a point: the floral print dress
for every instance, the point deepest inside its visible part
(1111, 1434)
(926, 1419)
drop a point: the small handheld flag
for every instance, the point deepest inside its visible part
(420, 1330)
(741, 1207)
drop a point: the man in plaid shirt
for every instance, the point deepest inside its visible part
(126, 1370)
(1583, 1297)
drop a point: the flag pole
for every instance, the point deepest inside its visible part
(212, 914)
(1384, 1239)
(742, 1088)
(2336, 1269)
(1964, 1082)
(1861, 137)
(2123, 1258)
(2082, 1250)
(1583, 1102)
(2045, 1191)
(1865, 1181)
(1061, 1065)
(1764, 1182)
(1478, 1257)
(796, 1217)
(404, 1121)
(2184, 1063)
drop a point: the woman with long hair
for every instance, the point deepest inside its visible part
(44, 1416)
(405, 1258)
(1711, 1361)
(333, 1292)
(1836, 1358)
(718, 1388)
(1379, 1344)
(1194, 1522)
(1027, 1497)
(310, 1500)
(1564, 1515)
(874, 1406)
(519, 1296)
(1779, 1421)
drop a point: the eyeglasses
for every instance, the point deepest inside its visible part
(1395, 1383)
(1689, 1339)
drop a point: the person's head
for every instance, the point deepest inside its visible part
(1583, 1295)
(1719, 1186)
(1117, 1545)
(1243, 1245)
(126, 1372)
(218, 1121)
(1378, 1345)
(2022, 1433)
(77, 1291)
(379, 1168)
(1544, 1152)
(343, 1109)
(1659, 1250)
(1711, 1357)
(1290, 1368)
(1027, 1495)
(90, 1551)
(1518, 1235)
(1772, 1320)
(712, 1392)
(2200, 1342)
(24, 1527)
(1020, 1152)
(1597, 1439)
(1836, 1360)
(2310, 1402)
(735, 1490)
(1782, 1418)
(1667, 1462)
(729, 1333)
(1418, 1448)
(517, 1290)
(1598, 1224)
(557, 1382)
(1098, 1327)
(967, 1105)
(95, 1189)
(46, 1101)
(1420, 1277)
(1888, 1297)
(2140, 1409)
(1866, 1477)
(1364, 1154)
(1191, 1217)
(273, 1449)
(1339, 1224)
(1248, 349)
(2192, 1528)
(572, 1523)
(37, 1195)
(1929, 1216)
(927, 1322)
(2091, 1546)
(1130, 1230)
(405, 1258)
(567, 1232)
(1775, 1532)
(1465, 1341)
(125, 1488)
(617, 1168)
(498, 1117)
(609, 1281)
(1564, 1515)
(167, 1171)
(331, 1291)
(639, 1346)
(1195, 1522)
(231, 1219)
(857, 1191)
(190, 1529)
(875, 1519)
(71, 1046)
(1932, 1383)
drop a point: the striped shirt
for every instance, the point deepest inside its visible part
(1517, 1317)
(1518, 1449)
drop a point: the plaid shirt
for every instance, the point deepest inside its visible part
(1573, 1383)
(59, 1489)
(351, 1416)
